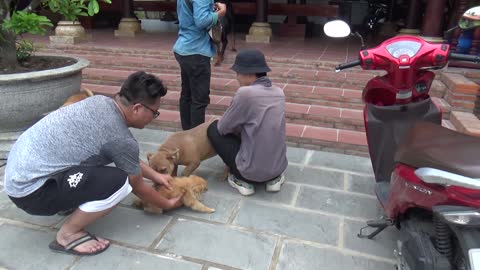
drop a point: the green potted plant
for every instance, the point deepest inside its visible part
(33, 85)
(69, 30)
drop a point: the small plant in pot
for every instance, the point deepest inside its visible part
(69, 30)
(33, 85)
(18, 17)
(14, 22)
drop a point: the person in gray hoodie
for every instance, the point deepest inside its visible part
(250, 136)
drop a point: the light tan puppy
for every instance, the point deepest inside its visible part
(188, 148)
(192, 186)
(78, 97)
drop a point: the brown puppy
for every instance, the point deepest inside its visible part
(192, 186)
(78, 97)
(188, 148)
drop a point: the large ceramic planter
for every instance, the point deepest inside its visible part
(27, 97)
(68, 32)
(70, 29)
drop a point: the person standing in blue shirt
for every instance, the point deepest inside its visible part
(193, 51)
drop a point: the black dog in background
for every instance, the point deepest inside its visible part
(228, 26)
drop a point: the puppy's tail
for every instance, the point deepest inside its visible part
(88, 92)
(137, 203)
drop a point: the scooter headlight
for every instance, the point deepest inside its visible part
(463, 218)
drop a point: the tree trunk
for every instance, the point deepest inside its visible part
(8, 52)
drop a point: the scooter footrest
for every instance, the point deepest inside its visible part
(379, 223)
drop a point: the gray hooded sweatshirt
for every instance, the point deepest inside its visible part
(257, 115)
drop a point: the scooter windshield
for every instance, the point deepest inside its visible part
(405, 47)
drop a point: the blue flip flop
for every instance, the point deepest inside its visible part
(69, 248)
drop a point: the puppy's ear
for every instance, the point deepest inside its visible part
(149, 156)
(175, 154)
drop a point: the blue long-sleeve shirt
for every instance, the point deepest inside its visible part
(193, 35)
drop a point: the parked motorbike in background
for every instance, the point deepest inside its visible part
(376, 17)
(427, 176)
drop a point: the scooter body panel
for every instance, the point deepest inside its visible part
(393, 104)
(409, 191)
(385, 127)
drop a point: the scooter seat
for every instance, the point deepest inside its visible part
(433, 146)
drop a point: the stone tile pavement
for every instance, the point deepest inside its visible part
(311, 223)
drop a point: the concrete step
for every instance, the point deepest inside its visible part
(7, 137)
(4, 150)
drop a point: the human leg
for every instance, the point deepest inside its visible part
(227, 147)
(200, 79)
(185, 101)
(92, 191)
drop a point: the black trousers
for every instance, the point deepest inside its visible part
(226, 146)
(195, 94)
(61, 193)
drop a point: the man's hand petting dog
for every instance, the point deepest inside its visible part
(164, 180)
(175, 202)
(221, 9)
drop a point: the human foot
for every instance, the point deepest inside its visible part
(82, 243)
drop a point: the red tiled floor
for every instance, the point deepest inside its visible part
(215, 99)
(303, 62)
(352, 137)
(172, 95)
(330, 75)
(328, 91)
(106, 72)
(233, 83)
(225, 101)
(319, 133)
(352, 114)
(297, 108)
(323, 111)
(103, 89)
(303, 74)
(166, 115)
(314, 49)
(169, 77)
(220, 81)
(298, 88)
(352, 94)
(294, 130)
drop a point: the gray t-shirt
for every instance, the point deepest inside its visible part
(88, 133)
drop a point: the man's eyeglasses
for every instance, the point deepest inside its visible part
(155, 113)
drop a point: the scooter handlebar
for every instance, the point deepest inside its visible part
(348, 65)
(464, 57)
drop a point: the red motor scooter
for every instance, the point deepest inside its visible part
(427, 176)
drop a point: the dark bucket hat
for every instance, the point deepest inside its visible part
(250, 61)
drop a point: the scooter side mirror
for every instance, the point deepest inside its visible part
(470, 19)
(336, 29)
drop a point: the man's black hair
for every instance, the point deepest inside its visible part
(259, 75)
(141, 87)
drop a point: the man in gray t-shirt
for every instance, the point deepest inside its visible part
(60, 162)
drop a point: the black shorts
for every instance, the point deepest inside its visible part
(69, 189)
